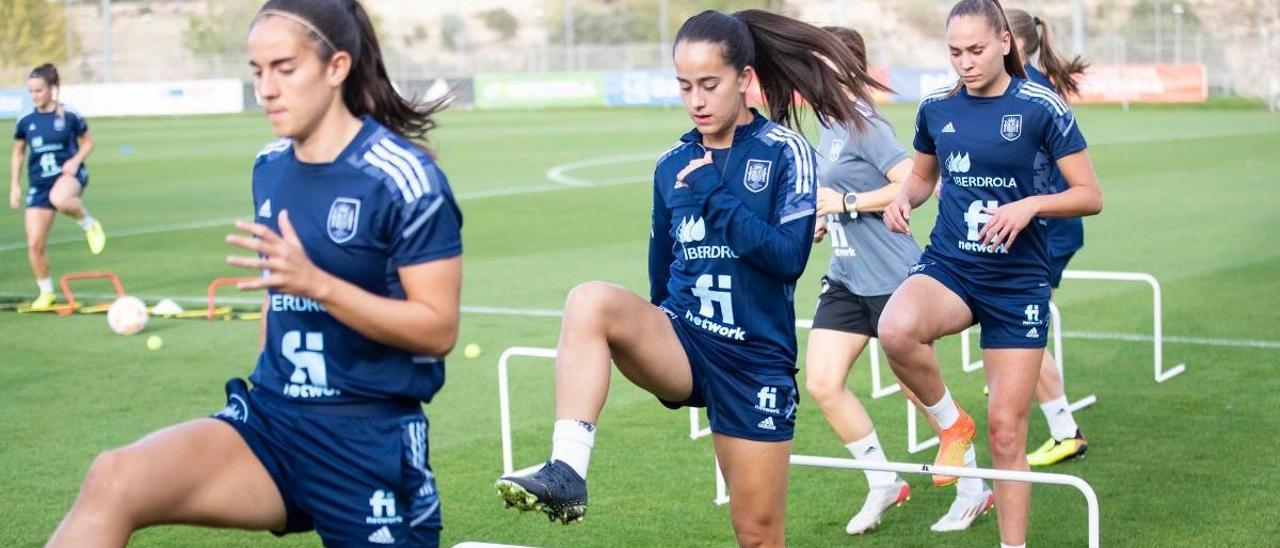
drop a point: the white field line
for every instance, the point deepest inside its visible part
(200, 300)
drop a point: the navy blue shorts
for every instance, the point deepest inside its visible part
(38, 194)
(748, 401)
(356, 480)
(1056, 266)
(1009, 318)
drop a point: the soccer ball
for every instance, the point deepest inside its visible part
(127, 316)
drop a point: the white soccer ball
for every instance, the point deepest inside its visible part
(127, 316)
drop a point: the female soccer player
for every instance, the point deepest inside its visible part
(733, 221)
(1064, 236)
(861, 173)
(59, 142)
(358, 242)
(987, 261)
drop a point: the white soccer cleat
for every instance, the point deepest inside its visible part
(878, 500)
(964, 510)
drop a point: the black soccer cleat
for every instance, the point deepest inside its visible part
(555, 489)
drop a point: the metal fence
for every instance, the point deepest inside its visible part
(1241, 54)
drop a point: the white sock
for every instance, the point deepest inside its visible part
(868, 448)
(1062, 424)
(970, 486)
(571, 443)
(45, 285)
(87, 221)
(1003, 545)
(945, 411)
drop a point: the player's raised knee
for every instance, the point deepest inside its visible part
(896, 332)
(593, 299)
(110, 478)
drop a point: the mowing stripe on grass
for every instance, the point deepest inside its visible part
(555, 313)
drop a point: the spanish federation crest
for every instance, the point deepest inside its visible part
(344, 219)
(1011, 127)
(756, 178)
(59, 123)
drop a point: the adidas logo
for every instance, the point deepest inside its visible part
(767, 424)
(265, 210)
(869, 451)
(1033, 333)
(949, 128)
(382, 536)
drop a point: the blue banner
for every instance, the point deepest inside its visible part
(641, 88)
(14, 102)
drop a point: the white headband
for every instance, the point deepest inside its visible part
(299, 20)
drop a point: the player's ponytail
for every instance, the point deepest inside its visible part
(343, 25)
(1034, 37)
(991, 12)
(790, 58)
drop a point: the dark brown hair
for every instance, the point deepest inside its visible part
(851, 39)
(789, 57)
(48, 73)
(343, 25)
(1033, 36)
(991, 12)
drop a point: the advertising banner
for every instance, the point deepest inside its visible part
(156, 98)
(534, 90)
(1153, 83)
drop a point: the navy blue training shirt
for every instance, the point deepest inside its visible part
(381, 205)
(726, 250)
(987, 148)
(53, 138)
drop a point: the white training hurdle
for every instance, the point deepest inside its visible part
(722, 496)
(879, 390)
(1090, 497)
(504, 403)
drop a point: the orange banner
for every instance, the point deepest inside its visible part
(1166, 83)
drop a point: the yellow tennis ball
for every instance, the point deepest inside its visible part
(154, 342)
(472, 350)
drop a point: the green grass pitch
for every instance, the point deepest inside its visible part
(1191, 197)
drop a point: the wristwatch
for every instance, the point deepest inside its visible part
(851, 204)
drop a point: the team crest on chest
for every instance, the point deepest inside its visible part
(59, 123)
(1011, 127)
(757, 176)
(344, 219)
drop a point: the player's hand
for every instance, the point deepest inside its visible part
(70, 168)
(693, 164)
(820, 229)
(284, 263)
(830, 201)
(1007, 221)
(897, 216)
(15, 197)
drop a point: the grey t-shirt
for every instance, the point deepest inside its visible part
(866, 257)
